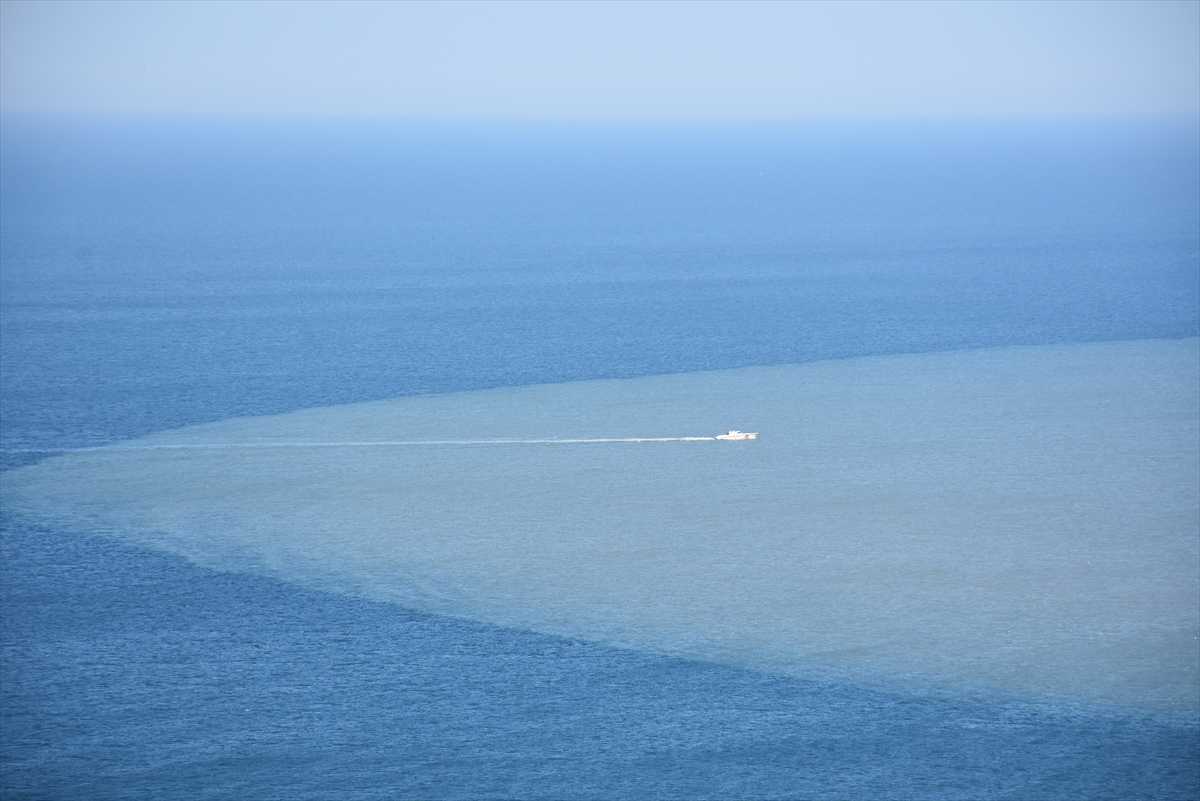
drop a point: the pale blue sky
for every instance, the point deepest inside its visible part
(602, 59)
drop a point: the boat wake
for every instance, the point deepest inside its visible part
(364, 444)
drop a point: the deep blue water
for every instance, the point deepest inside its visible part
(159, 273)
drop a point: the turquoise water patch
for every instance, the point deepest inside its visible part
(1022, 520)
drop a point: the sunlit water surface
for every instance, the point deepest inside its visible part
(968, 574)
(1019, 521)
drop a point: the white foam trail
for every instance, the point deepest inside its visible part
(379, 444)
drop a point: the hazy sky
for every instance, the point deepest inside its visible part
(602, 59)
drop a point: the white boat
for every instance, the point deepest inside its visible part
(733, 433)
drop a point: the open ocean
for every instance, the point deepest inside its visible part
(291, 507)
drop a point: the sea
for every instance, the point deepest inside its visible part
(376, 459)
